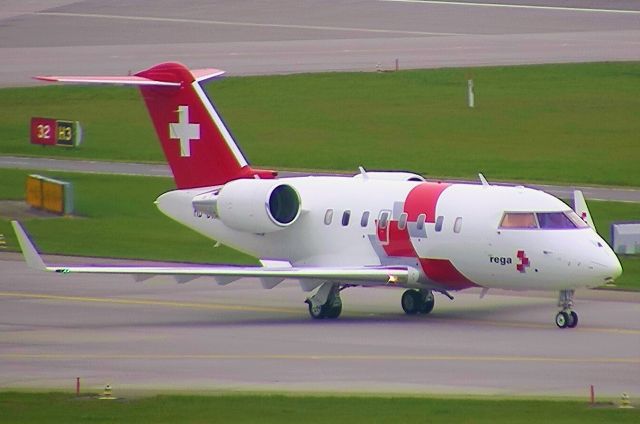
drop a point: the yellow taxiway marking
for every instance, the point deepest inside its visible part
(286, 357)
(147, 302)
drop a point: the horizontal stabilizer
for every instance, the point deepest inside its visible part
(131, 80)
(197, 75)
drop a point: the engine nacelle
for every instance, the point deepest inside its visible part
(257, 206)
(391, 176)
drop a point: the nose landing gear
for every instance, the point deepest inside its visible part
(566, 318)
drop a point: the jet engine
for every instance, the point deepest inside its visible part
(258, 206)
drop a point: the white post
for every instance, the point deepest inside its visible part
(470, 94)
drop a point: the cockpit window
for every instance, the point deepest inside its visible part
(544, 220)
(554, 221)
(518, 220)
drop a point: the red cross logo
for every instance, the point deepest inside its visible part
(524, 261)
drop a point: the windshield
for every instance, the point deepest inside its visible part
(566, 220)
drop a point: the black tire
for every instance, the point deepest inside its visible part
(562, 319)
(334, 312)
(573, 320)
(411, 302)
(427, 304)
(317, 312)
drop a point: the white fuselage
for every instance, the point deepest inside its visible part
(460, 245)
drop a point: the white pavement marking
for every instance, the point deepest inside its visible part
(246, 24)
(517, 6)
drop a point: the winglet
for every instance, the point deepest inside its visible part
(29, 251)
(581, 208)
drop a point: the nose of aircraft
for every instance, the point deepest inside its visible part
(608, 265)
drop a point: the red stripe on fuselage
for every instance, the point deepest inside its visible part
(399, 242)
(423, 199)
(443, 272)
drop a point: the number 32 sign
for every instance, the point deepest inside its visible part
(52, 132)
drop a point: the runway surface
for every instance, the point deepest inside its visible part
(617, 194)
(198, 336)
(257, 37)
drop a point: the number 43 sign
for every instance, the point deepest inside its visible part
(55, 132)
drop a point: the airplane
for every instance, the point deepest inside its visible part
(371, 229)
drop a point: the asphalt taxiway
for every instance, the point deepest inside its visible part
(160, 336)
(256, 37)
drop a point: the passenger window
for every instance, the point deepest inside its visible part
(364, 221)
(402, 222)
(420, 223)
(457, 226)
(519, 220)
(345, 218)
(328, 216)
(383, 219)
(439, 222)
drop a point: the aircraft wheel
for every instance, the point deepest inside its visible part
(317, 311)
(334, 312)
(411, 302)
(573, 320)
(562, 319)
(427, 303)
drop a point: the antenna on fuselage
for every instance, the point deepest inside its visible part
(363, 172)
(483, 180)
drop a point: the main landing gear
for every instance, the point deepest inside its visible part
(417, 302)
(566, 318)
(326, 303)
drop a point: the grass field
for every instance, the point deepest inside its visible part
(54, 408)
(109, 208)
(560, 123)
(116, 217)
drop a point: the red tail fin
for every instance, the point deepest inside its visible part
(198, 146)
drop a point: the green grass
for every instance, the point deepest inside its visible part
(116, 217)
(560, 123)
(54, 408)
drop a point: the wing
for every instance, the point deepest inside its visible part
(270, 275)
